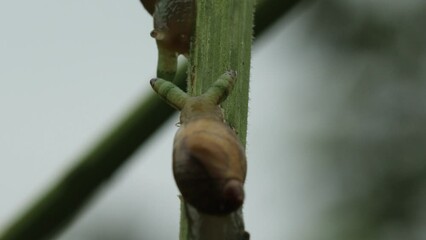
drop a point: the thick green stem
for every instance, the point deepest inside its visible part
(223, 39)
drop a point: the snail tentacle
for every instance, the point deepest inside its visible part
(166, 64)
(221, 88)
(171, 93)
(174, 22)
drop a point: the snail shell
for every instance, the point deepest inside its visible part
(209, 166)
(173, 23)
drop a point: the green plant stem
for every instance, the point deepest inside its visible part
(223, 39)
(60, 204)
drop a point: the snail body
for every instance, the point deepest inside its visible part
(209, 162)
(149, 5)
(174, 22)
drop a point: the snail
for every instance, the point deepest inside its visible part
(209, 161)
(173, 29)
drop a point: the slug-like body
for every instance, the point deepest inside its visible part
(174, 24)
(173, 28)
(209, 162)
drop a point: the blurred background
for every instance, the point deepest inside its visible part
(337, 121)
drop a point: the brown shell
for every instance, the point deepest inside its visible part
(209, 166)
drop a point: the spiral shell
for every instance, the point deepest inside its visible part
(209, 166)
